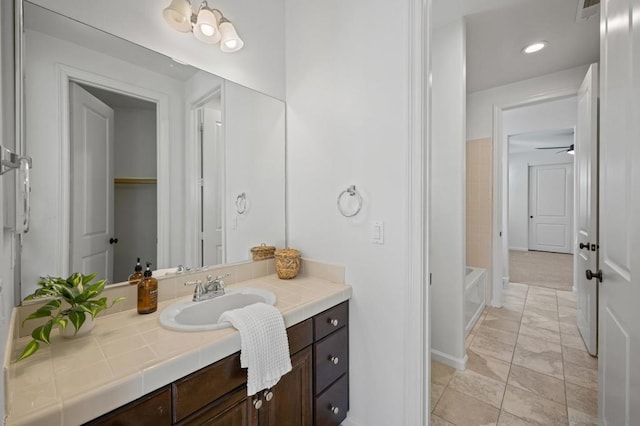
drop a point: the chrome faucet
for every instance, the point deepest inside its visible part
(215, 286)
(198, 291)
(212, 288)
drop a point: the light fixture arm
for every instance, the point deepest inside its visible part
(208, 24)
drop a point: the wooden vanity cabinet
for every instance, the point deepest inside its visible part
(331, 365)
(314, 392)
(153, 409)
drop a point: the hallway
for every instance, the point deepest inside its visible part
(527, 366)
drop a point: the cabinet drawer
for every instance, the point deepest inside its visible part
(331, 358)
(234, 409)
(153, 409)
(330, 320)
(300, 336)
(199, 389)
(332, 405)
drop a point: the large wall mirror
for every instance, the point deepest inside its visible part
(137, 155)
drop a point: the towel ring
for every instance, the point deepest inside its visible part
(352, 192)
(241, 203)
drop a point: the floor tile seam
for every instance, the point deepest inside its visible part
(469, 396)
(511, 362)
(544, 374)
(575, 364)
(564, 377)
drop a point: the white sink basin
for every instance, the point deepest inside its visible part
(205, 315)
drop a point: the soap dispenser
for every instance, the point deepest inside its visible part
(134, 279)
(147, 293)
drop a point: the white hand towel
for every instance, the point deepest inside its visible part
(264, 348)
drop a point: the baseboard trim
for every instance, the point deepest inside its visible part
(505, 282)
(519, 248)
(457, 363)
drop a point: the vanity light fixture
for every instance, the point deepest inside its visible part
(534, 47)
(208, 25)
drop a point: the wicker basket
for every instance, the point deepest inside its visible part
(287, 263)
(262, 252)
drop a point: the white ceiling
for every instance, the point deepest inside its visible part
(497, 30)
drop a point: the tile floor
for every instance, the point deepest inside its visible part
(527, 366)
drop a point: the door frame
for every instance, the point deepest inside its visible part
(500, 240)
(192, 157)
(66, 74)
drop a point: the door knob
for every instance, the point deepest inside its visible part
(590, 275)
(113, 241)
(584, 245)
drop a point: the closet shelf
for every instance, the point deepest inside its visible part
(135, 181)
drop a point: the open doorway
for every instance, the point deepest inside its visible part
(113, 164)
(539, 200)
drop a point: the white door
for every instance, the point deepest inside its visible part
(619, 255)
(551, 207)
(586, 163)
(92, 184)
(212, 167)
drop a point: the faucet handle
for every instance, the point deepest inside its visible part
(198, 291)
(220, 277)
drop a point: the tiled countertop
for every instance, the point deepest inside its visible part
(128, 355)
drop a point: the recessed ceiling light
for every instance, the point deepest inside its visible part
(535, 47)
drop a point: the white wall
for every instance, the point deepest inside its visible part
(560, 114)
(448, 247)
(44, 144)
(259, 65)
(348, 123)
(255, 161)
(519, 192)
(480, 104)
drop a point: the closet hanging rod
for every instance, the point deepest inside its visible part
(135, 181)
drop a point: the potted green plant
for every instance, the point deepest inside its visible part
(74, 300)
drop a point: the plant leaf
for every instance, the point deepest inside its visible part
(43, 332)
(36, 314)
(29, 350)
(118, 300)
(61, 322)
(77, 319)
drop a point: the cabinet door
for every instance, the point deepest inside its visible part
(234, 409)
(292, 402)
(153, 409)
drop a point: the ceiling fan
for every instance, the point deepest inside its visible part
(568, 149)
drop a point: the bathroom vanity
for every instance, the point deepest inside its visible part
(315, 392)
(131, 370)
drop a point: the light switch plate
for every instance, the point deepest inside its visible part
(377, 232)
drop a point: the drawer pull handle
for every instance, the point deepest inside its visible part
(335, 410)
(257, 403)
(334, 359)
(268, 395)
(334, 322)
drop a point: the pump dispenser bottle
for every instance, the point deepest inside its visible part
(134, 279)
(147, 293)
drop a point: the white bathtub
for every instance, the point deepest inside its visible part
(475, 281)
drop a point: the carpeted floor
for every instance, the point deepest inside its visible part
(542, 269)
